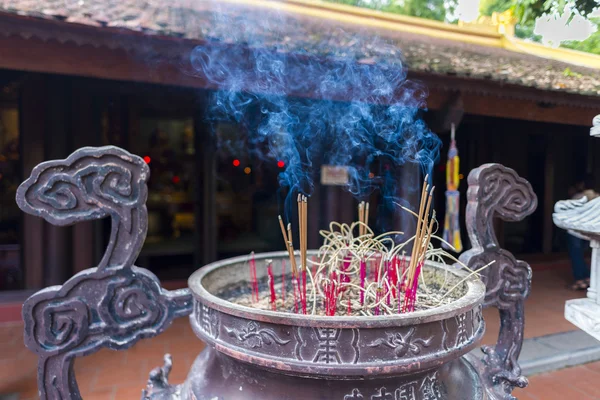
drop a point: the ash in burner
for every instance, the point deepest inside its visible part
(434, 294)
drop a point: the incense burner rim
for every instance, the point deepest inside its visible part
(474, 296)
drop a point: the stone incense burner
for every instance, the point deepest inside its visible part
(257, 354)
(321, 357)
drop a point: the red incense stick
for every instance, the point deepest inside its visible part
(253, 279)
(349, 306)
(294, 285)
(283, 282)
(303, 295)
(363, 276)
(272, 286)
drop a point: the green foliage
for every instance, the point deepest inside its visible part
(430, 9)
(488, 7)
(526, 12)
(589, 45)
(523, 30)
(439, 10)
(529, 10)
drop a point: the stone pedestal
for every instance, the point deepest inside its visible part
(582, 218)
(584, 314)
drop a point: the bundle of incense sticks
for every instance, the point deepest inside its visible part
(298, 277)
(302, 222)
(363, 217)
(289, 245)
(420, 245)
(355, 269)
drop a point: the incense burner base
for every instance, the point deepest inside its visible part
(215, 376)
(260, 354)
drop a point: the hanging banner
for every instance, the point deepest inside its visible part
(452, 220)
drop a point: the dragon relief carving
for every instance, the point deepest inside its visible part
(402, 344)
(255, 337)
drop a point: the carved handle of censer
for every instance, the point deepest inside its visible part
(114, 304)
(497, 191)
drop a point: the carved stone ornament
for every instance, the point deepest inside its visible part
(581, 218)
(595, 130)
(114, 304)
(497, 191)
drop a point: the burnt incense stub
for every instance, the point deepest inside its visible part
(253, 353)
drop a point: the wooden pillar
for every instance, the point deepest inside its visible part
(548, 232)
(331, 203)
(86, 128)
(347, 205)
(58, 248)
(314, 214)
(206, 187)
(409, 190)
(32, 122)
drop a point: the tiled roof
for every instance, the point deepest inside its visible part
(253, 24)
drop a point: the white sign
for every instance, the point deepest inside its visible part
(334, 175)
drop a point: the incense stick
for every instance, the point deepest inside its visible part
(412, 263)
(366, 221)
(291, 250)
(285, 238)
(304, 252)
(361, 217)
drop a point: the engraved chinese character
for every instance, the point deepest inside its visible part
(383, 395)
(354, 396)
(429, 388)
(328, 340)
(406, 392)
(462, 336)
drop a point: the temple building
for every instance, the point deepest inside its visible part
(99, 72)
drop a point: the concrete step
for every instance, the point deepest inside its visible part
(557, 351)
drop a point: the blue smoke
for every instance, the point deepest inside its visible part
(321, 102)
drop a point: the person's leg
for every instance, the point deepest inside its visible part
(576, 251)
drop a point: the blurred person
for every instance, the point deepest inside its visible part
(577, 245)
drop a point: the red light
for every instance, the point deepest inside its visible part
(176, 179)
(280, 164)
(147, 159)
(236, 163)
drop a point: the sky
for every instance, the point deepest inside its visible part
(553, 30)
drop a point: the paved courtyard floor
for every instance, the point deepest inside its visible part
(111, 375)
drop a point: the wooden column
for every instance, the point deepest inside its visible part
(548, 232)
(409, 190)
(32, 122)
(314, 215)
(331, 210)
(205, 190)
(347, 206)
(57, 243)
(86, 129)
